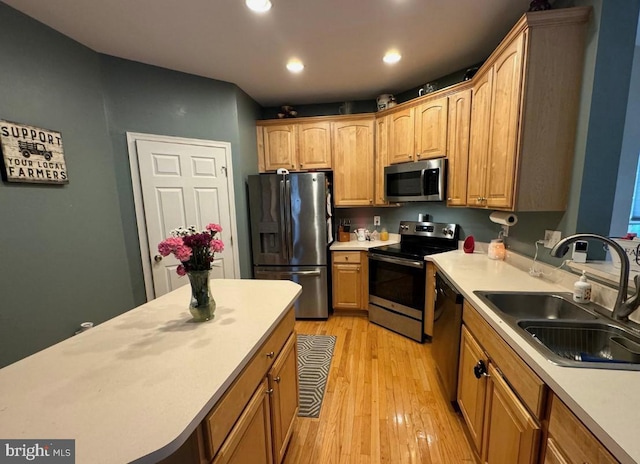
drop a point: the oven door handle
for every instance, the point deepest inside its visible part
(401, 262)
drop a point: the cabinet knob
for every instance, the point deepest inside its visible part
(301, 165)
(346, 258)
(269, 392)
(370, 200)
(277, 379)
(409, 156)
(449, 199)
(270, 354)
(480, 370)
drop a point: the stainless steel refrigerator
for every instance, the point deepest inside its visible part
(289, 235)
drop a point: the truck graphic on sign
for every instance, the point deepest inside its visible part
(32, 148)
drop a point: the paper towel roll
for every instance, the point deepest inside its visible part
(504, 218)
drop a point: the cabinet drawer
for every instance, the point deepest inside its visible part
(346, 257)
(222, 417)
(526, 384)
(577, 443)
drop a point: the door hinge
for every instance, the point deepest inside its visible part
(224, 170)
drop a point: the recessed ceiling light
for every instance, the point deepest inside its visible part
(259, 6)
(392, 57)
(295, 66)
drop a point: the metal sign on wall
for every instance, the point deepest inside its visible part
(32, 154)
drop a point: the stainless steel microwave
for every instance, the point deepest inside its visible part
(419, 181)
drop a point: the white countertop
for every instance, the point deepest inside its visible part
(355, 245)
(607, 401)
(135, 387)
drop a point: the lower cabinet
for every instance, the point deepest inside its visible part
(569, 441)
(350, 280)
(283, 387)
(503, 423)
(254, 419)
(250, 439)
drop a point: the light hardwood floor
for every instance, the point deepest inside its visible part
(382, 403)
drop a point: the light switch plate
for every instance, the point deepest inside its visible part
(551, 237)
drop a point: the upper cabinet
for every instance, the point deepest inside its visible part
(295, 145)
(279, 143)
(380, 160)
(418, 132)
(524, 113)
(458, 127)
(353, 162)
(314, 145)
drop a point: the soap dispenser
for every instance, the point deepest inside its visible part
(582, 289)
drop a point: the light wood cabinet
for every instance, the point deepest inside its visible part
(283, 385)
(524, 114)
(254, 419)
(431, 128)
(458, 128)
(250, 438)
(380, 160)
(511, 433)
(279, 143)
(500, 397)
(353, 162)
(569, 441)
(429, 299)
(401, 136)
(294, 145)
(350, 280)
(471, 389)
(314, 145)
(419, 131)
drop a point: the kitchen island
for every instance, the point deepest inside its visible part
(136, 387)
(604, 400)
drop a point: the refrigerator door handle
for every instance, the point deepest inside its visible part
(287, 196)
(290, 273)
(283, 222)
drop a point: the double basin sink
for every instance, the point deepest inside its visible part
(568, 333)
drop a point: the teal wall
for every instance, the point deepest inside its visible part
(70, 253)
(62, 248)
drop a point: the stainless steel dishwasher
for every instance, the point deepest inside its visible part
(445, 345)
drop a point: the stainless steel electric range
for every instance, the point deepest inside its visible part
(397, 275)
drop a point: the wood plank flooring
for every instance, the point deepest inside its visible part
(382, 403)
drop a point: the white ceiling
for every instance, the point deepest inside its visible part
(341, 42)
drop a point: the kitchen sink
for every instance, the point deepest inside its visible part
(521, 305)
(585, 343)
(568, 333)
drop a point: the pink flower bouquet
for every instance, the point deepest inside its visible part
(194, 249)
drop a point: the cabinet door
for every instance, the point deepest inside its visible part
(511, 433)
(279, 147)
(479, 138)
(505, 117)
(552, 453)
(353, 163)
(471, 389)
(283, 381)
(401, 136)
(314, 145)
(431, 129)
(250, 438)
(458, 147)
(347, 291)
(380, 161)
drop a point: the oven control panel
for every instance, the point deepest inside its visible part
(429, 229)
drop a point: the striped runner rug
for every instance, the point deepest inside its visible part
(314, 359)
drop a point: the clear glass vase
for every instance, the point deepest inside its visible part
(202, 305)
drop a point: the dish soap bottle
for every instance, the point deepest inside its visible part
(582, 289)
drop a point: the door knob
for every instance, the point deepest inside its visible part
(157, 258)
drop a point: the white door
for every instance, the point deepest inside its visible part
(182, 185)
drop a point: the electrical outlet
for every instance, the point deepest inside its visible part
(376, 220)
(551, 237)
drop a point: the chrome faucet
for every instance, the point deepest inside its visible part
(623, 305)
